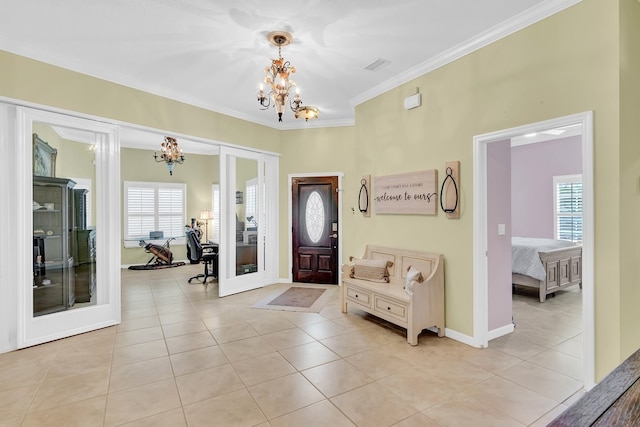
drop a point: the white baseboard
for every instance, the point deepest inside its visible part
(464, 339)
(285, 280)
(498, 332)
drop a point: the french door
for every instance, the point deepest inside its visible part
(67, 248)
(248, 256)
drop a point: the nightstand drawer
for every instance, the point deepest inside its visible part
(391, 308)
(356, 295)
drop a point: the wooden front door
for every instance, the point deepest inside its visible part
(315, 229)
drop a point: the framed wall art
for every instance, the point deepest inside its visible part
(44, 158)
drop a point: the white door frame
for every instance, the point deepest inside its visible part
(480, 232)
(106, 312)
(340, 175)
(268, 168)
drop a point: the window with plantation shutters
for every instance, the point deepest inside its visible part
(154, 206)
(250, 210)
(567, 192)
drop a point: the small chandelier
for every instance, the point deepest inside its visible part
(277, 77)
(170, 153)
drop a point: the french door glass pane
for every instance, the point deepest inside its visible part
(64, 239)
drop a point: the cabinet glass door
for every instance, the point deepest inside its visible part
(74, 279)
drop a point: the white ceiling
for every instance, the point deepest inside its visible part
(212, 53)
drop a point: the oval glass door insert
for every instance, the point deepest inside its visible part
(314, 217)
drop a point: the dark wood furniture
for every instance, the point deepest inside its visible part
(615, 401)
(246, 258)
(85, 267)
(53, 243)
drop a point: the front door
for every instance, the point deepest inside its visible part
(315, 229)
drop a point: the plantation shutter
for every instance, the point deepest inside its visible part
(151, 206)
(568, 195)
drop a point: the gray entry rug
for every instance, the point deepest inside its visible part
(306, 298)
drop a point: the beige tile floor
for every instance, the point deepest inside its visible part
(182, 356)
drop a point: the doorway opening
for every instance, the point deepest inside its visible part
(482, 254)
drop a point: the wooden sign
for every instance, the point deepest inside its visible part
(406, 193)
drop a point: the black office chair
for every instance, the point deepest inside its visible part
(208, 254)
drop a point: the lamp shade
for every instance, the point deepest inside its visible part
(206, 214)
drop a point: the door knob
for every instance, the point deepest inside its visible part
(334, 235)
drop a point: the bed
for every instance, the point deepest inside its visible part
(545, 264)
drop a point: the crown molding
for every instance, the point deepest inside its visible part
(510, 26)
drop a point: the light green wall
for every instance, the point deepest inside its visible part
(583, 58)
(629, 175)
(34, 81)
(557, 67)
(554, 68)
(198, 172)
(319, 150)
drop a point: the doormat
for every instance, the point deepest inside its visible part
(156, 266)
(305, 298)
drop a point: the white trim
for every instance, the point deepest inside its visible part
(528, 17)
(267, 171)
(480, 287)
(36, 330)
(340, 176)
(123, 124)
(534, 14)
(501, 331)
(460, 337)
(11, 184)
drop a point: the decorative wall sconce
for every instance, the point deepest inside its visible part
(363, 196)
(450, 191)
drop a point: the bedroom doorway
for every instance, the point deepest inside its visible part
(485, 230)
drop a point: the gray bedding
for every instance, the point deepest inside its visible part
(524, 254)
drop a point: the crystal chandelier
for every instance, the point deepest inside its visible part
(170, 153)
(277, 77)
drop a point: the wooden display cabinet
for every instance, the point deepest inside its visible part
(53, 243)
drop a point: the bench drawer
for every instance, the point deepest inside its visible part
(391, 308)
(359, 296)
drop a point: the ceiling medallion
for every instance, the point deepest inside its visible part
(277, 77)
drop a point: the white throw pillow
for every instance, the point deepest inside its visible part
(412, 275)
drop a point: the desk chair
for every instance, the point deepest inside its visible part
(206, 253)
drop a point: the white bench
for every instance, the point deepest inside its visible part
(420, 308)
